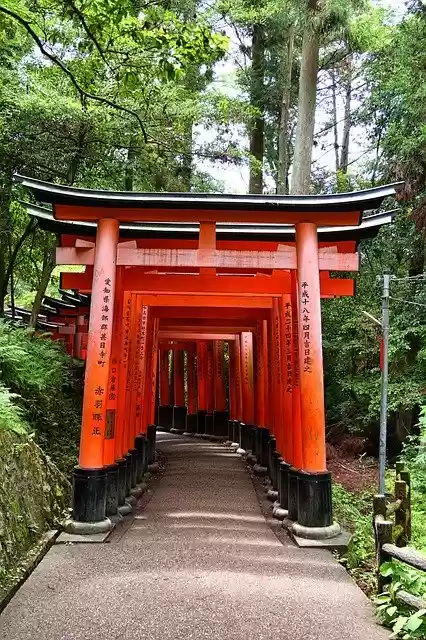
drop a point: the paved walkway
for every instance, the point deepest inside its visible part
(199, 562)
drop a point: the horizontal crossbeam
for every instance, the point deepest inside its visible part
(204, 335)
(193, 258)
(137, 281)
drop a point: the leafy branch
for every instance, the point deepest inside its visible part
(83, 93)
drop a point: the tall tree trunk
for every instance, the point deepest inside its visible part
(257, 129)
(29, 229)
(301, 178)
(48, 266)
(283, 139)
(344, 154)
(334, 116)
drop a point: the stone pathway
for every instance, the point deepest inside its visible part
(199, 562)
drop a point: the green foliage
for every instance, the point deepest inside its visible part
(45, 392)
(407, 623)
(414, 457)
(395, 110)
(351, 341)
(404, 622)
(353, 512)
(10, 415)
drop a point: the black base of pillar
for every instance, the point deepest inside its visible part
(133, 467)
(314, 499)
(128, 460)
(89, 494)
(272, 467)
(179, 419)
(276, 461)
(122, 481)
(254, 444)
(165, 416)
(111, 490)
(140, 446)
(191, 424)
(230, 431)
(201, 421)
(263, 447)
(151, 434)
(236, 431)
(293, 490)
(220, 423)
(246, 431)
(283, 483)
(209, 424)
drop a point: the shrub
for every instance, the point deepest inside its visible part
(41, 386)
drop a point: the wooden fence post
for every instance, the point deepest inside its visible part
(405, 477)
(401, 515)
(383, 529)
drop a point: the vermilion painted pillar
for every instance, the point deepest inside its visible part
(238, 380)
(179, 409)
(287, 383)
(232, 394)
(314, 484)
(191, 418)
(121, 448)
(78, 335)
(259, 378)
(264, 444)
(89, 499)
(220, 412)
(140, 317)
(146, 393)
(219, 375)
(277, 375)
(165, 410)
(296, 417)
(141, 367)
(129, 416)
(130, 391)
(202, 387)
(112, 401)
(150, 394)
(265, 367)
(140, 372)
(120, 442)
(209, 389)
(247, 388)
(152, 372)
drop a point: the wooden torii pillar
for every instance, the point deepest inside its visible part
(165, 410)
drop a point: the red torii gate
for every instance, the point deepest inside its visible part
(121, 374)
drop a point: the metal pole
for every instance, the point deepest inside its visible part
(384, 390)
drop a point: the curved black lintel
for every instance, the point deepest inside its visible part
(351, 201)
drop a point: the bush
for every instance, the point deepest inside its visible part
(353, 512)
(41, 388)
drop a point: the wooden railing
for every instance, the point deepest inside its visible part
(392, 529)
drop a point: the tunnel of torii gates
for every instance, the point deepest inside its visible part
(204, 319)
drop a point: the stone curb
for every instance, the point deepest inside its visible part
(32, 558)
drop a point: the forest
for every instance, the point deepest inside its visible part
(318, 96)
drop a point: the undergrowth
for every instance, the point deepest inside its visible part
(354, 512)
(40, 392)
